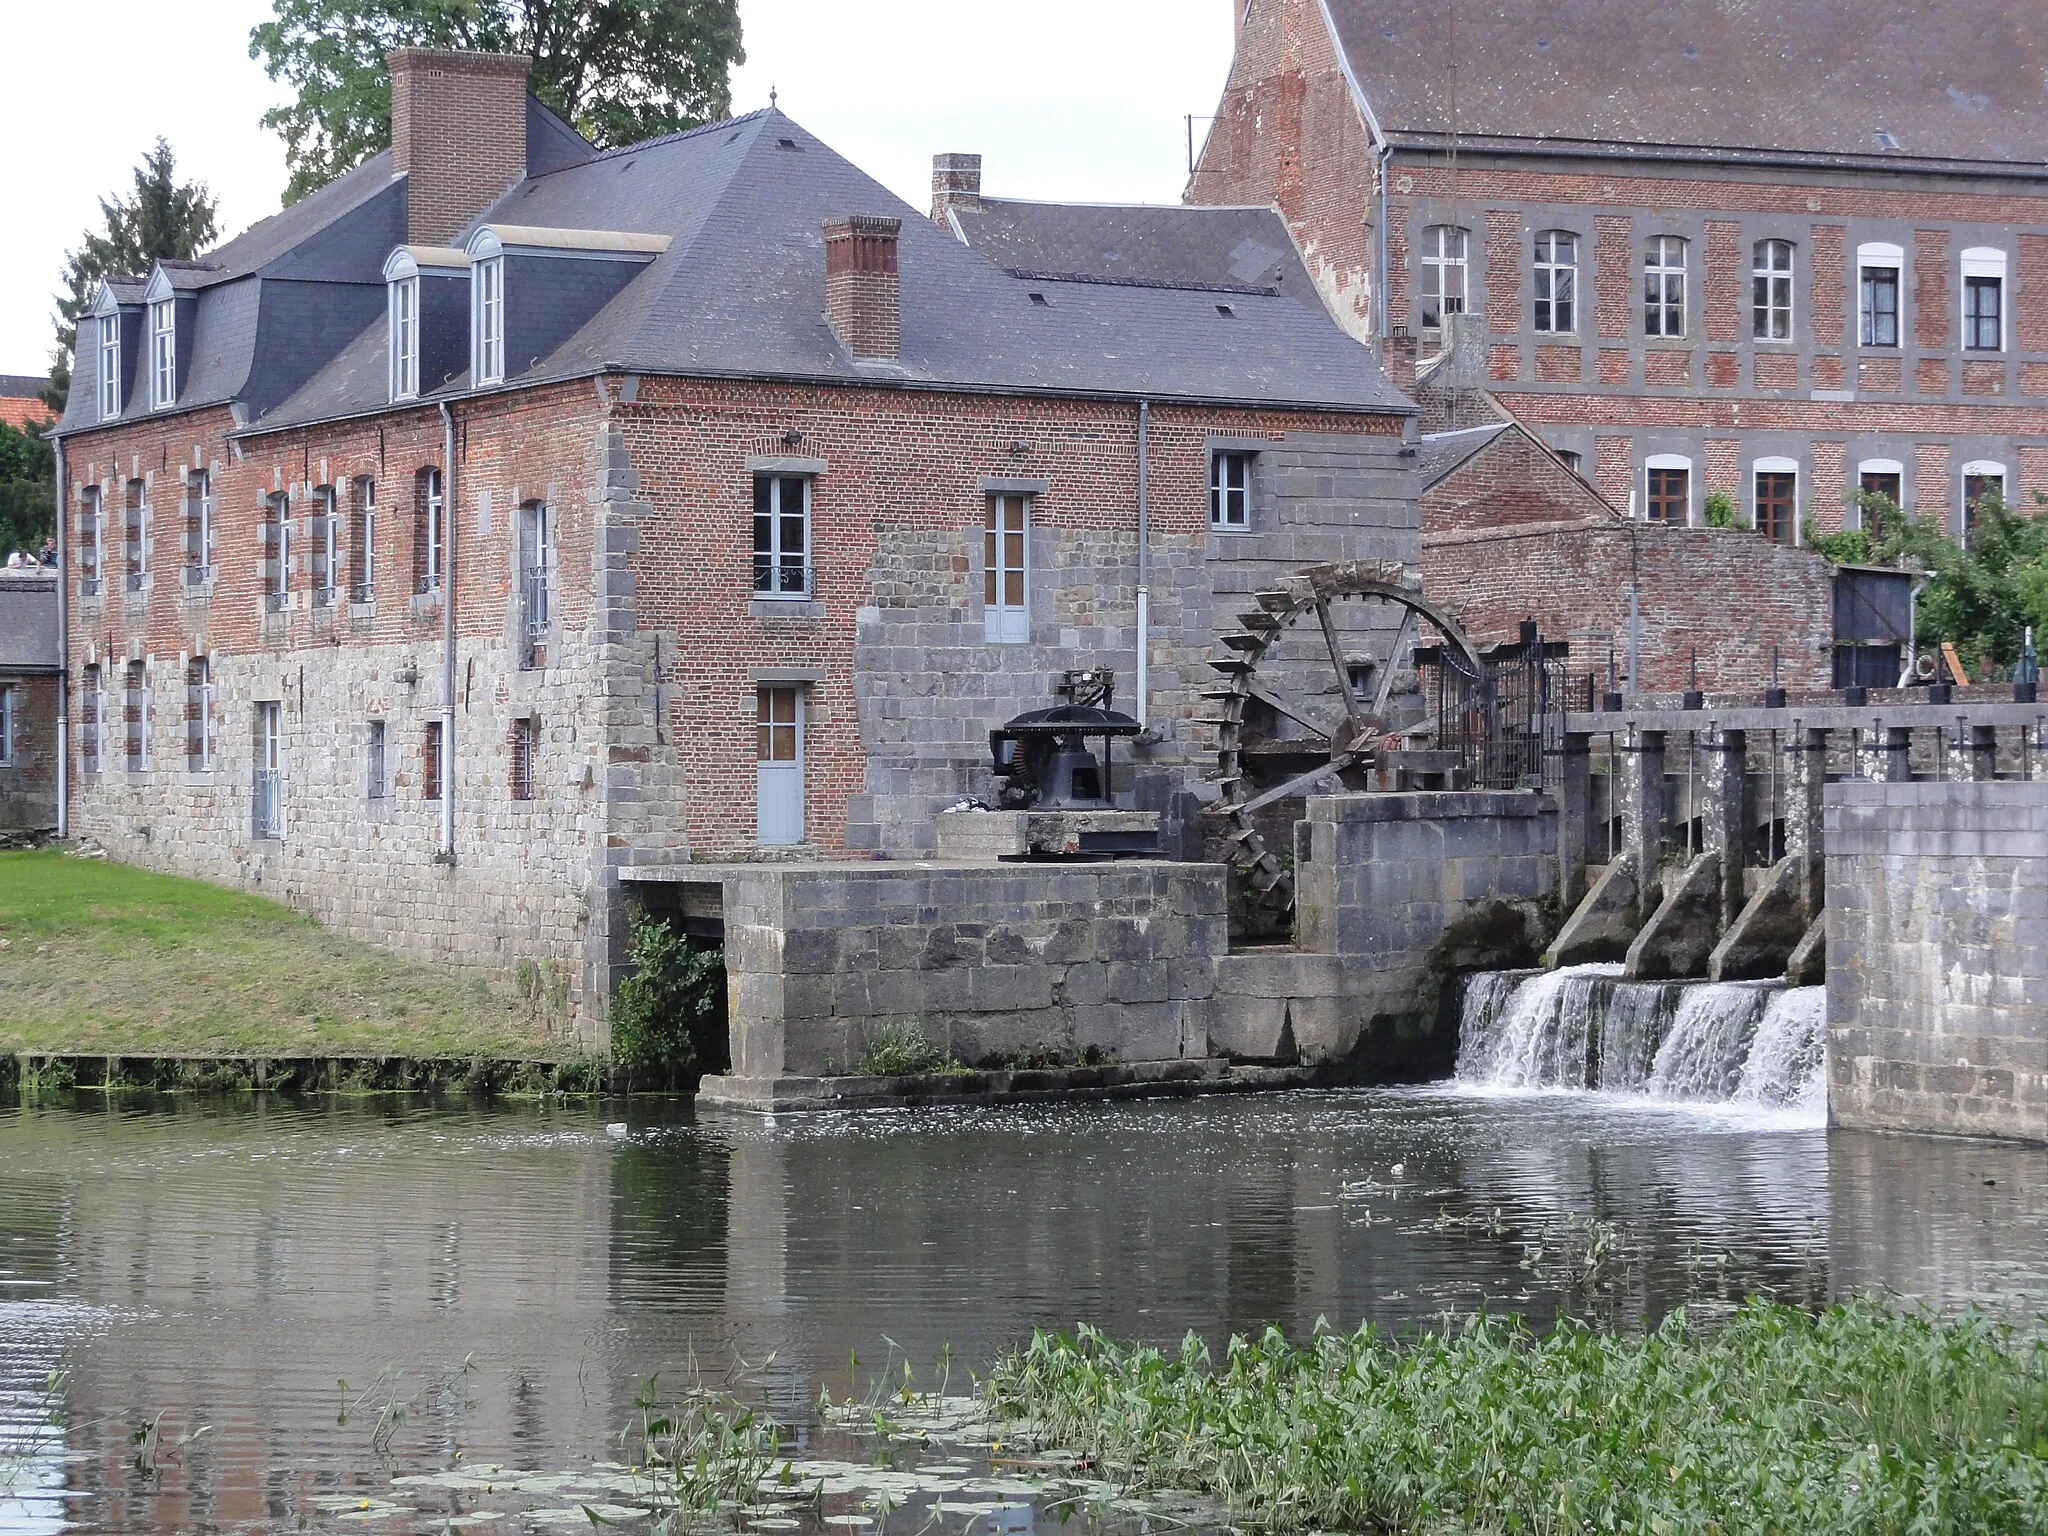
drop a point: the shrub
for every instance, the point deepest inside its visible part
(1721, 511)
(668, 1017)
(903, 1050)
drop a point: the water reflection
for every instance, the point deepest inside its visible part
(496, 1282)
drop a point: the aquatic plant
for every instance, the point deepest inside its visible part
(704, 1451)
(903, 1050)
(1858, 1418)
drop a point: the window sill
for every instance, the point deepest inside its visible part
(1227, 531)
(427, 602)
(196, 778)
(362, 611)
(1667, 343)
(795, 609)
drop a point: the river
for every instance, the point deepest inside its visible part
(492, 1283)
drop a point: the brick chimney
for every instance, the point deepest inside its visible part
(863, 294)
(956, 183)
(1397, 358)
(458, 133)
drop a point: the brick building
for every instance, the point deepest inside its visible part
(28, 700)
(1772, 253)
(508, 518)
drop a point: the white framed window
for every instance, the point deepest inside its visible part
(1877, 293)
(1770, 291)
(1876, 477)
(487, 288)
(1667, 486)
(92, 542)
(326, 532)
(782, 536)
(1981, 477)
(1006, 559)
(428, 535)
(93, 708)
(135, 534)
(536, 566)
(198, 527)
(1443, 272)
(199, 715)
(266, 796)
(277, 551)
(6, 723)
(110, 366)
(376, 781)
(1230, 490)
(362, 540)
(524, 743)
(1557, 282)
(136, 712)
(1983, 299)
(1664, 286)
(163, 353)
(1775, 482)
(404, 300)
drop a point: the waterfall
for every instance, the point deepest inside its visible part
(1583, 1028)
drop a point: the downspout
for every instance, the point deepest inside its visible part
(1144, 559)
(448, 520)
(63, 651)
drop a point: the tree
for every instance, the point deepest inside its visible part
(28, 489)
(1980, 598)
(166, 220)
(619, 70)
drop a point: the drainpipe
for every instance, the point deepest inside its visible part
(1144, 558)
(448, 520)
(1379, 244)
(63, 650)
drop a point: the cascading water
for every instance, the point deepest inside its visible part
(1755, 1043)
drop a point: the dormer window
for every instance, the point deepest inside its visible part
(488, 319)
(163, 354)
(405, 338)
(110, 366)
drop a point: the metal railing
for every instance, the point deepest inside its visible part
(535, 592)
(88, 586)
(135, 580)
(362, 592)
(198, 575)
(276, 602)
(268, 816)
(783, 576)
(323, 597)
(1506, 721)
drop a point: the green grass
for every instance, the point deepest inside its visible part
(1859, 1419)
(102, 957)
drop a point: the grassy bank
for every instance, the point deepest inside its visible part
(101, 957)
(1859, 1419)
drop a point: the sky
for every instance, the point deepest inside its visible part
(1083, 100)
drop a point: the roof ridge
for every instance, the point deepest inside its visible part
(1250, 290)
(660, 140)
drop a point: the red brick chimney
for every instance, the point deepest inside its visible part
(863, 294)
(1397, 358)
(458, 133)
(956, 183)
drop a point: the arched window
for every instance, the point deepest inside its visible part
(1877, 293)
(1770, 296)
(1881, 484)
(1664, 286)
(1443, 272)
(1981, 478)
(1557, 282)
(1668, 484)
(1777, 499)
(428, 532)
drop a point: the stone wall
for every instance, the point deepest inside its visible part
(1393, 893)
(1937, 941)
(992, 961)
(28, 779)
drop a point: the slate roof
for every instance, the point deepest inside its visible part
(1955, 80)
(28, 622)
(1226, 247)
(1441, 453)
(740, 291)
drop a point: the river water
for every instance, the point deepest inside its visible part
(492, 1283)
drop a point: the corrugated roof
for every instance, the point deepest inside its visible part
(28, 622)
(740, 292)
(1945, 79)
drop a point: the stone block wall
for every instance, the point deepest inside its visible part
(1937, 968)
(992, 961)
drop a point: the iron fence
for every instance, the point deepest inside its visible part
(1505, 721)
(268, 818)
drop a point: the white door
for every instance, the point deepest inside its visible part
(1006, 556)
(779, 747)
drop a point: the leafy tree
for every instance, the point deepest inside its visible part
(668, 1017)
(28, 489)
(620, 70)
(1982, 598)
(165, 220)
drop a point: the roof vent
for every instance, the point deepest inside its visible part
(1226, 311)
(1041, 301)
(785, 143)
(1885, 140)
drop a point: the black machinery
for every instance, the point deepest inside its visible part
(1042, 758)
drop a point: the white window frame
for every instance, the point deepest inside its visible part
(1552, 271)
(1777, 287)
(777, 554)
(1230, 506)
(1982, 262)
(6, 724)
(430, 579)
(536, 577)
(1878, 255)
(110, 366)
(1671, 461)
(1777, 464)
(487, 319)
(325, 528)
(96, 544)
(1988, 469)
(143, 710)
(1874, 467)
(1004, 622)
(404, 319)
(365, 591)
(143, 533)
(1668, 275)
(783, 776)
(269, 760)
(93, 698)
(201, 482)
(204, 706)
(1437, 259)
(163, 353)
